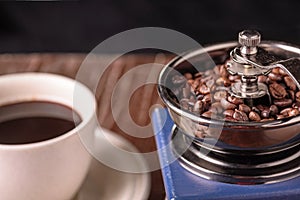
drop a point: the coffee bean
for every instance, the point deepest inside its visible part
(216, 108)
(273, 110)
(296, 105)
(261, 107)
(207, 114)
(297, 95)
(198, 75)
(213, 110)
(285, 112)
(265, 113)
(282, 72)
(277, 91)
(213, 88)
(198, 107)
(227, 105)
(195, 85)
(220, 95)
(228, 113)
(220, 81)
(228, 118)
(244, 108)
(190, 81)
(235, 100)
(206, 105)
(275, 77)
(207, 98)
(293, 112)
(223, 71)
(290, 112)
(188, 76)
(203, 89)
(291, 94)
(290, 83)
(199, 96)
(210, 83)
(275, 70)
(192, 101)
(234, 78)
(255, 109)
(227, 82)
(206, 79)
(208, 72)
(184, 103)
(262, 79)
(240, 116)
(254, 116)
(282, 103)
(269, 81)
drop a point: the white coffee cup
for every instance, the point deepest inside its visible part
(52, 169)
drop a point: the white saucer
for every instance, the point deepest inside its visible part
(103, 182)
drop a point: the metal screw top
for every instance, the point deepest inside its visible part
(249, 39)
(248, 87)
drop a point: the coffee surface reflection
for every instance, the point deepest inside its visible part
(30, 122)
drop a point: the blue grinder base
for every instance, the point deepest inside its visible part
(182, 184)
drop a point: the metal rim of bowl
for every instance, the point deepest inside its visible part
(176, 108)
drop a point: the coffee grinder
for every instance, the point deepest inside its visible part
(232, 159)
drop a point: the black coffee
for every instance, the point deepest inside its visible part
(29, 122)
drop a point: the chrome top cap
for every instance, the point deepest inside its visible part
(249, 38)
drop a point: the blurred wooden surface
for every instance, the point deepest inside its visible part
(140, 102)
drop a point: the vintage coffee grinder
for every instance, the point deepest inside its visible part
(232, 159)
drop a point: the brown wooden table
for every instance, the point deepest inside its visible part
(140, 102)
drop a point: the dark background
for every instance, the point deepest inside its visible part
(78, 26)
